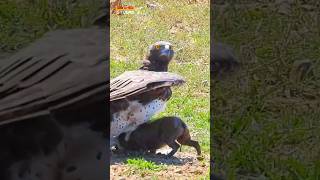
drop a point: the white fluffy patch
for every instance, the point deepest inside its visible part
(136, 114)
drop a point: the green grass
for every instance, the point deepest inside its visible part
(141, 164)
(132, 34)
(21, 22)
(265, 124)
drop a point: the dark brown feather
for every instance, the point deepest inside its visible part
(63, 69)
(133, 83)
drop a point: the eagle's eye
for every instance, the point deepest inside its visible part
(157, 46)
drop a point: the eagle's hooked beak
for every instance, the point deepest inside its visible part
(166, 52)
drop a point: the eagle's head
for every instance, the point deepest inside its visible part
(159, 56)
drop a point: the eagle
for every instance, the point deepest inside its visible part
(135, 96)
(53, 107)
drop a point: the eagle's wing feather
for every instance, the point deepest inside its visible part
(51, 74)
(137, 82)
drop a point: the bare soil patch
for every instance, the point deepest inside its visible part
(183, 165)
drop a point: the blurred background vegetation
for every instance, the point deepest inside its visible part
(23, 21)
(266, 115)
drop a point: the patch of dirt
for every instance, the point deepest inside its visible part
(183, 165)
(180, 26)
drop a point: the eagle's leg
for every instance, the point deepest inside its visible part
(135, 118)
(128, 134)
(129, 131)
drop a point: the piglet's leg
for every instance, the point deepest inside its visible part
(175, 147)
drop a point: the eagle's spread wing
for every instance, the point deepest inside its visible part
(64, 69)
(140, 81)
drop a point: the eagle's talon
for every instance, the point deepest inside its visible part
(127, 137)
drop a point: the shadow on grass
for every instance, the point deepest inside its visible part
(158, 159)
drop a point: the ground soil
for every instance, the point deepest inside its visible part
(184, 165)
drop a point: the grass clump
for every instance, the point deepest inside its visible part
(141, 167)
(142, 164)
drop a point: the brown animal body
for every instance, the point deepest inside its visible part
(171, 131)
